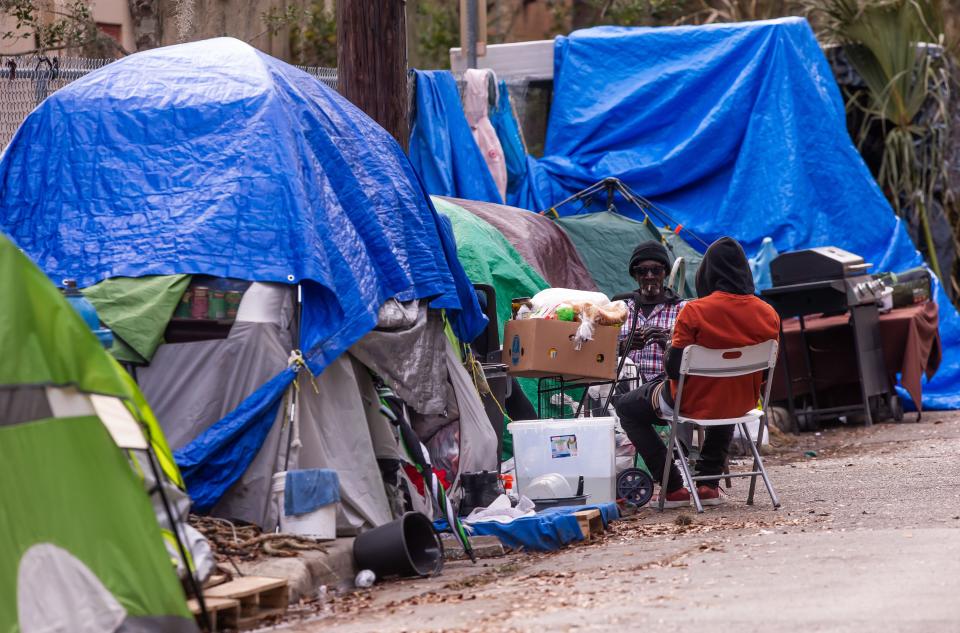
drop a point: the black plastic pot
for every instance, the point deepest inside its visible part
(407, 546)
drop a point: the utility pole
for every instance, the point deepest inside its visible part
(372, 61)
(473, 30)
(471, 20)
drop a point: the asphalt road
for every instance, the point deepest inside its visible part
(868, 539)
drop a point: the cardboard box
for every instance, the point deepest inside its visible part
(538, 348)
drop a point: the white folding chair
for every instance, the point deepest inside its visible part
(700, 361)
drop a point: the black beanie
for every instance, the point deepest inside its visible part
(649, 250)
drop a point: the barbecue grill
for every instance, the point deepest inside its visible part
(828, 281)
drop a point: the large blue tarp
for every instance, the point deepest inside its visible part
(735, 129)
(508, 133)
(442, 147)
(215, 158)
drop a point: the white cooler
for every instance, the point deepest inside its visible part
(573, 448)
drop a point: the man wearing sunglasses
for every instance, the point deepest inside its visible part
(655, 309)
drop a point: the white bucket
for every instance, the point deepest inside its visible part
(320, 524)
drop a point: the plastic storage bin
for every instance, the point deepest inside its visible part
(580, 446)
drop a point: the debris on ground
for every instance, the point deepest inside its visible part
(233, 542)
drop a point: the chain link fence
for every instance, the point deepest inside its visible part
(26, 81)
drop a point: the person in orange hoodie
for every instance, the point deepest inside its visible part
(727, 314)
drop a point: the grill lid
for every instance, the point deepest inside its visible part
(816, 264)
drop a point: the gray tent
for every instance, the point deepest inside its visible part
(336, 422)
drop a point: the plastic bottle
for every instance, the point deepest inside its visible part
(507, 483)
(365, 579)
(760, 264)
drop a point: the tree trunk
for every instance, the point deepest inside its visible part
(372, 61)
(146, 23)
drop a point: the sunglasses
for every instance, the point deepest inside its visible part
(643, 271)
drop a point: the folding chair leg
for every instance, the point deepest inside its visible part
(688, 478)
(666, 465)
(758, 465)
(753, 480)
(675, 445)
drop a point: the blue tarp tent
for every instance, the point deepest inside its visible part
(442, 148)
(733, 129)
(214, 158)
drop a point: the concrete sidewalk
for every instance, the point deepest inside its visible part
(868, 539)
(312, 573)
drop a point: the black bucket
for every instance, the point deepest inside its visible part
(407, 546)
(479, 490)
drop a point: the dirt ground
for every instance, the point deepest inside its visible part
(868, 539)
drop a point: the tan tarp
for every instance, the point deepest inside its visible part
(539, 241)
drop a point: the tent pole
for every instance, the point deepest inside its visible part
(194, 583)
(291, 419)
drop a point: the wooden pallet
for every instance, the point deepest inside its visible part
(591, 523)
(224, 613)
(259, 598)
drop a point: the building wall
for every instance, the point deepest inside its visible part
(527, 20)
(242, 19)
(111, 13)
(116, 12)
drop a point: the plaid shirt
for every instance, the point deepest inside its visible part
(649, 360)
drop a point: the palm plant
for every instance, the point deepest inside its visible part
(896, 46)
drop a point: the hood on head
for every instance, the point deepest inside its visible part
(724, 268)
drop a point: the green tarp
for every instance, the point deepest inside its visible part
(44, 341)
(691, 259)
(137, 310)
(606, 239)
(488, 258)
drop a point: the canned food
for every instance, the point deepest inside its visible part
(201, 302)
(233, 298)
(218, 306)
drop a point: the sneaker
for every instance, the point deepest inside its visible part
(679, 498)
(711, 496)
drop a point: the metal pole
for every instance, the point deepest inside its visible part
(471, 33)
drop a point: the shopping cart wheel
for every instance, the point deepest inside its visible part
(635, 486)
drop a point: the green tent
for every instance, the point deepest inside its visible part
(488, 258)
(606, 239)
(82, 550)
(678, 247)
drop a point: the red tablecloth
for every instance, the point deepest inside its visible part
(911, 347)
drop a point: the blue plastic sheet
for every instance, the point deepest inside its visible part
(546, 531)
(508, 132)
(735, 129)
(216, 458)
(442, 147)
(215, 158)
